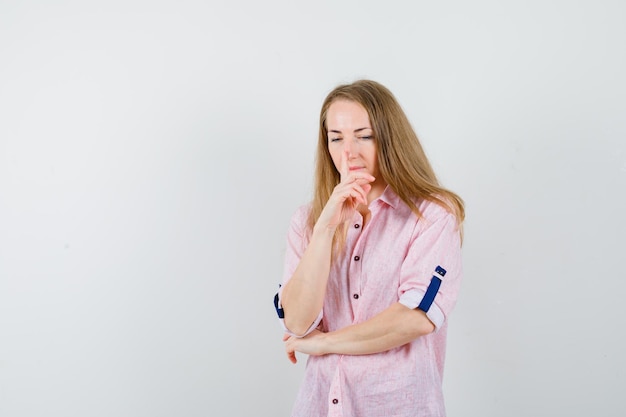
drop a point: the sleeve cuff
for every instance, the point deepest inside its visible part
(412, 300)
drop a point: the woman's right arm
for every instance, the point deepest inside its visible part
(303, 295)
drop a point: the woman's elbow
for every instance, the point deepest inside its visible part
(296, 329)
(416, 324)
(425, 327)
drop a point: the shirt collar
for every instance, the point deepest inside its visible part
(389, 197)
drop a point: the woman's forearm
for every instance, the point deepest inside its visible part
(303, 295)
(393, 327)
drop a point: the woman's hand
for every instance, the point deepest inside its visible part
(351, 191)
(311, 344)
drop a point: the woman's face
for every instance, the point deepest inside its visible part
(350, 136)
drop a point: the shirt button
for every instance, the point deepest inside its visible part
(356, 226)
(356, 258)
(355, 296)
(335, 401)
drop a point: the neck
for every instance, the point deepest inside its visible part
(376, 191)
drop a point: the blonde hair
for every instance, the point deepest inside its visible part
(401, 158)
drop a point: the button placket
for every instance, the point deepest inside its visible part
(355, 269)
(334, 394)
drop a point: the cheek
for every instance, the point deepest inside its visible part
(372, 157)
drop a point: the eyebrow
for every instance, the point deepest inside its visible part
(355, 130)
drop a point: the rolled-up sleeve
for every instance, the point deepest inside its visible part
(296, 244)
(435, 243)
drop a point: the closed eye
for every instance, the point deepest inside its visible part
(335, 139)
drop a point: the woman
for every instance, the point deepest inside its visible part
(373, 265)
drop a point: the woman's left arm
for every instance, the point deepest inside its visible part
(393, 327)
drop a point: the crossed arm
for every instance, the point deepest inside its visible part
(393, 327)
(302, 300)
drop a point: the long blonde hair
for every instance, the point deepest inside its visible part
(401, 158)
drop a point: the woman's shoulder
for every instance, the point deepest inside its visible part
(434, 209)
(300, 216)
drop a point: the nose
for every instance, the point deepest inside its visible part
(351, 146)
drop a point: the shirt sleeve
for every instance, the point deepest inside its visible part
(296, 244)
(435, 244)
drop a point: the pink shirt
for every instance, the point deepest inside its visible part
(392, 259)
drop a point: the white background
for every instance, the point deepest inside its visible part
(152, 153)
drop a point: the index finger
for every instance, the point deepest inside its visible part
(344, 169)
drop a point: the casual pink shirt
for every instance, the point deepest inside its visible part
(391, 259)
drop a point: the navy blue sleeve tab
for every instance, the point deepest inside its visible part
(279, 310)
(432, 290)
